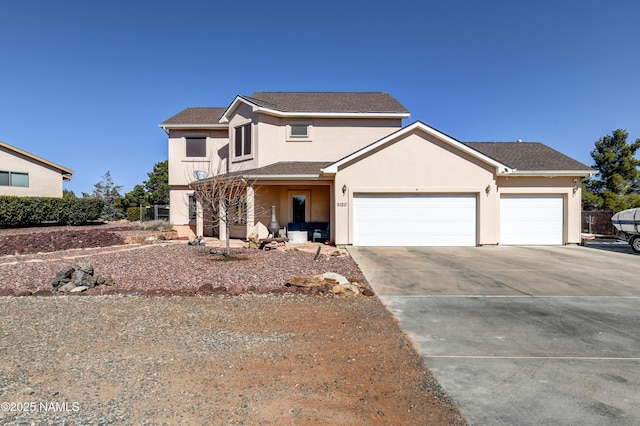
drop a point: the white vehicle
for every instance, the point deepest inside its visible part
(628, 221)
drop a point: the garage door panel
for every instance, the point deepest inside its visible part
(414, 220)
(531, 219)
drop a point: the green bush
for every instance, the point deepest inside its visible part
(133, 214)
(30, 211)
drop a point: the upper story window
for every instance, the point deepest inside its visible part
(242, 143)
(299, 131)
(196, 146)
(14, 179)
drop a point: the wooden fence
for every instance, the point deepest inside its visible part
(598, 222)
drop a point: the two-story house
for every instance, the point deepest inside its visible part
(346, 160)
(24, 174)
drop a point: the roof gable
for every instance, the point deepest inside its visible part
(321, 104)
(416, 126)
(66, 173)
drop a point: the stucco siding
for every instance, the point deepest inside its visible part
(181, 167)
(417, 164)
(329, 139)
(44, 181)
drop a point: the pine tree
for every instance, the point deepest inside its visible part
(617, 184)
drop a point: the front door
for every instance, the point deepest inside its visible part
(299, 206)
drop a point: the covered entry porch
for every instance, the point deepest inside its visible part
(299, 206)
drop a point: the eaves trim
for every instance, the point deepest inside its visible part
(551, 173)
(309, 114)
(418, 125)
(67, 173)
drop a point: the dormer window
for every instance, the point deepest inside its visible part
(242, 143)
(299, 131)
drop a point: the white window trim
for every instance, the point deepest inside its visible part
(307, 138)
(234, 157)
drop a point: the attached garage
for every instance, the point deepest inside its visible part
(414, 220)
(531, 219)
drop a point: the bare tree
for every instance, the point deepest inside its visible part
(223, 198)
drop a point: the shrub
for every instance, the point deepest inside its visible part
(133, 214)
(30, 211)
(156, 225)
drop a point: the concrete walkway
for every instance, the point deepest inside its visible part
(521, 335)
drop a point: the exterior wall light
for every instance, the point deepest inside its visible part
(487, 189)
(344, 189)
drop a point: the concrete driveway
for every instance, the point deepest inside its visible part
(521, 335)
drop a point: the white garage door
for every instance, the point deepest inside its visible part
(414, 220)
(531, 219)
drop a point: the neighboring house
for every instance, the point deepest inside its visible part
(26, 175)
(344, 159)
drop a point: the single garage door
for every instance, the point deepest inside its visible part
(531, 219)
(414, 220)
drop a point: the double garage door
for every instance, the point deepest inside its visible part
(414, 220)
(451, 220)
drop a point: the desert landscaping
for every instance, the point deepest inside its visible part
(180, 334)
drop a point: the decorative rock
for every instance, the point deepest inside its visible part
(67, 287)
(306, 281)
(367, 292)
(85, 267)
(197, 241)
(336, 277)
(6, 292)
(235, 290)
(205, 289)
(82, 278)
(346, 289)
(62, 277)
(100, 280)
(79, 289)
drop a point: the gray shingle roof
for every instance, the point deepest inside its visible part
(328, 102)
(284, 168)
(196, 116)
(290, 168)
(533, 156)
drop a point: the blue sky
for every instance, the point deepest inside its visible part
(85, 84)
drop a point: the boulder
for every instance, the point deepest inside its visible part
(348, 289)
(82, 278)
(67, 287)
(62, 277)
(235, 290)
(306, 281)
(85, 267)
(336, 277)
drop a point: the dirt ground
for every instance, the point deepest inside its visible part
(216, 359)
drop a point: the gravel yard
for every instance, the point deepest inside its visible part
(266, 356)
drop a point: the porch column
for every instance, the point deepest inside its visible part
(251, 220)
(222, 222)
(199, 218)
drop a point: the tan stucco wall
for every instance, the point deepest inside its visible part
(330, 138)
(44, 181)
(181, 167)
(179, 203)
(421, 164)
(417, 164)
